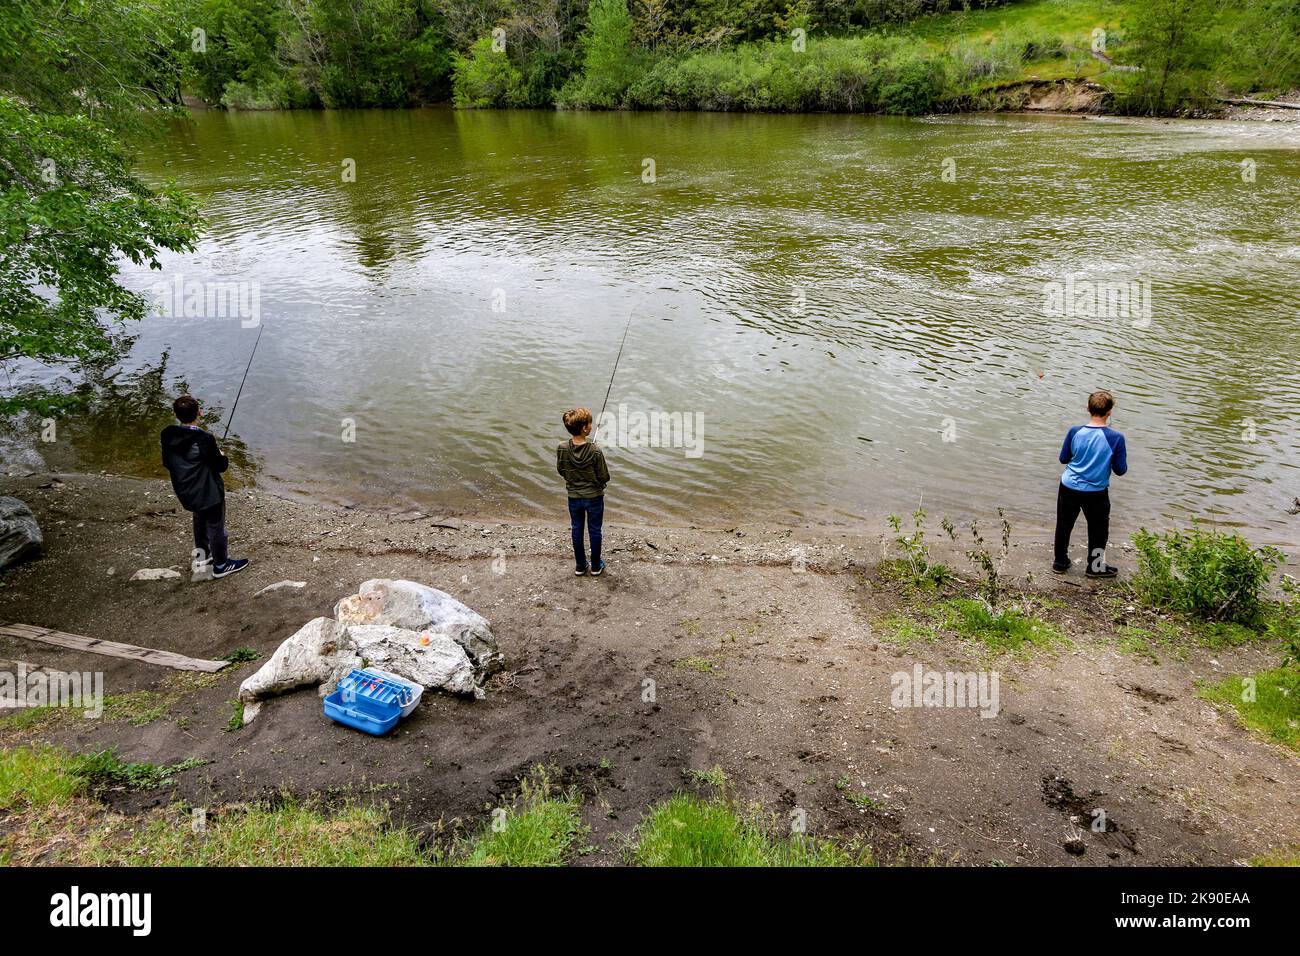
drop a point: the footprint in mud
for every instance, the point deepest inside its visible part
(1146, 693)
(1088, 814)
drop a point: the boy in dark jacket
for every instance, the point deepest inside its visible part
(582, 465)
(195, 463)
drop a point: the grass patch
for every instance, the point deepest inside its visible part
(1268, 703)
(289, 835)
(1289, 857)
(901, 630)
(36, 777)
(702, 664)
(541, 829)
(104, 770)
(236, 720)
(688, 830)
(1009, 629)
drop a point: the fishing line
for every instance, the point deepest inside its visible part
(260, 330)
(601, 417)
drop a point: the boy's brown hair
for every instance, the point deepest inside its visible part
(1100, 403)
(186, 409)
(576, 419)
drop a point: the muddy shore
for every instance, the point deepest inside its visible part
(769, 659)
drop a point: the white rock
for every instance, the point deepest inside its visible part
(417, 607)
(280, 585)
(432, 660)
(155, 574)
(311, 656)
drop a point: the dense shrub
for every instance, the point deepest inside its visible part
(485, 78)
(1208, 574)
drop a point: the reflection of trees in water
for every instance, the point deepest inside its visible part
(111, 418)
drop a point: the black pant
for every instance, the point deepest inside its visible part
(1095, 506)
(210, 532)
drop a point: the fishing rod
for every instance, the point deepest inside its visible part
(601, 416)
(260, 330)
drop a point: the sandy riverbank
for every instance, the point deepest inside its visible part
(776, 669)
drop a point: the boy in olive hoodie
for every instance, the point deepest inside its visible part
(581, 464)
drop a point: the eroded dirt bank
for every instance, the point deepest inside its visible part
(769, 657)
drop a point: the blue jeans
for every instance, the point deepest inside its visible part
(593, 511)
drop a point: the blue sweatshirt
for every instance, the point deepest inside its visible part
(1090, 454)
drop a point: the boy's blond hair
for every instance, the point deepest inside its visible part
(576, 419)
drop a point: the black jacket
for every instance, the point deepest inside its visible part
(195, 464)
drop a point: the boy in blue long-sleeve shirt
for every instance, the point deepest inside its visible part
(1090, 453)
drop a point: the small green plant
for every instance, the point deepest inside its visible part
(991, 586)
(1203, 573)
(104, 770)
(241, 655)
(914, 567)
(237, 714)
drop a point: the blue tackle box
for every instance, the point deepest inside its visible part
(371, 701)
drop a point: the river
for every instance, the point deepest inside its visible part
(832, 318)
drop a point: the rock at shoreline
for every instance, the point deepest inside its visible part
(408, 629)
(155, 574)
(417, 607)
(20, 535)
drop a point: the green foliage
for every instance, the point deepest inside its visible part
(859, 74)
(104, 770)
(608, 64)
(688, 830)
(990, 567)
(540, 829)
(1207, 574)
(70, 206)
(914, 568)
(485, 78)
(1175, 44)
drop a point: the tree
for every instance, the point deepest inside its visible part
(608, 67)
(1175, 44)
(71, 96)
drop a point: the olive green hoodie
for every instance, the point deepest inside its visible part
(583, 469)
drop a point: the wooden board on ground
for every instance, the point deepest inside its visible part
(91, 645)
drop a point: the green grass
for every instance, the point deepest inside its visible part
(541, 829)
(702, 664)
(290, 835)
(104, 769)
(138, 708)
(1275, 711)
(1000, 631)
(1289, 857)
(36, 777)
(688, 830)
(902, 631)
(241, 655)
(236, 720)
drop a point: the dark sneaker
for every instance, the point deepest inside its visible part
(1058, 568)
(230, 567)
(1106, 572)
(580, 572)
(596, 572)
